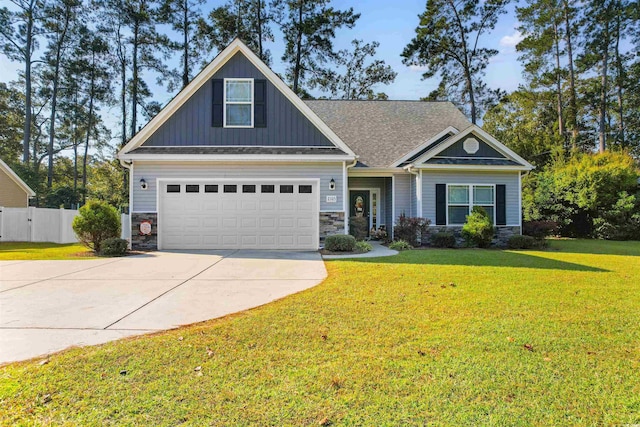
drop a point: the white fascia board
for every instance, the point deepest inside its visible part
(15, 178)
(353, 172)
(487, 168)
(425, 144)
(485, 137)
(232, 158)
(205, 75)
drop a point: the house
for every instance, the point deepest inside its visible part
(237, 160)
(14, 192)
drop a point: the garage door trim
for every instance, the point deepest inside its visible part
(207, 180)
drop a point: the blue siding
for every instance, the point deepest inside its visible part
(191, 124)
(403, 195)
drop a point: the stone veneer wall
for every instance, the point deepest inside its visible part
(331, 223)
(141, 242)
(499, 239)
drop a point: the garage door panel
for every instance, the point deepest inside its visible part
(207, 220)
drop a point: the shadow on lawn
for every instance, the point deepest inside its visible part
(480, 258)
(596, 247)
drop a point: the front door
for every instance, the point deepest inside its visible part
(359, 208)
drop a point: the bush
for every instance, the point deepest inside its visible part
(358, 227)
(363, 247)
(380, 234)
(410, 229)
(443, 240)
(539, 229)
(521, 242)
(340, 243)
(400, 245)
(478, 229)
(97, 222)
(114, 246)
(622, 221)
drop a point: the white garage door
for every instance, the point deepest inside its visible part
(238, 214)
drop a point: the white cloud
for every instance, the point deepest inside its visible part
(419, 68)
(510, 41)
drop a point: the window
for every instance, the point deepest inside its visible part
(248, 188)
(268, 188)
(210, 188)
(230, 188)
(462, 198)
(304, 189)
(173, 188)
(192, 188)
(238, 103)
(286, 188)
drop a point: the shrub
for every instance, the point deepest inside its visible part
(539, 229)
(443, 240)
(400, 245)
(97, 222)
(478, 229)
(114, 246)
(340, 243)
(525, 242)
(358, 227)
(363, 246)
(622, 221)
(380, 234)
(410, 229)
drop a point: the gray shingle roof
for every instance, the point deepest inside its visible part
(380, 132)
(194, 149)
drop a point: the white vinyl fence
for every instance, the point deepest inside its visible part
(43, 225)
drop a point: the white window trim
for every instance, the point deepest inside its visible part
(224, 103)
(471, 204)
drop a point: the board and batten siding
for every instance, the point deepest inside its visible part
(145, 200)
(509, 179)
(192, 123)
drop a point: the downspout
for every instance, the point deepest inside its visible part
(345, 193)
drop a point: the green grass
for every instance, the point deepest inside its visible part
(433, 337)
(25, 251)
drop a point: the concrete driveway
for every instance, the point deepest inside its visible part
(46, 306)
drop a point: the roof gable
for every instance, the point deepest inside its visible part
(185, 110)
(422, 148)
(15, 178)
(472, 148)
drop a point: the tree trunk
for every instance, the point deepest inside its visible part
(602, 115)
(573, 104)
(259, 29)
(297, 65)
(89, 127)
(26, 141)
(619, 78)
(558, 83)
(185, 22)
(134, 79)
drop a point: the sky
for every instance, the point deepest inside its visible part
(392, 24)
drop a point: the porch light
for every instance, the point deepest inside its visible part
(332, 184)
(143, 184)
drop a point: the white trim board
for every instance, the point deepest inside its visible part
(15, 178)
(205, 75)
(473, 129)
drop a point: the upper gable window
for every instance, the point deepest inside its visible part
(238, 103)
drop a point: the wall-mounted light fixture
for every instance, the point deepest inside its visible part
(143, 184)
(332, 184)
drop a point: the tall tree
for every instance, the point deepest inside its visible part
(19, 32)
(183, 16)
(11, 121)
(447, 44)
(248, 20)
(60, 22)
(358, 73)
(309, 27)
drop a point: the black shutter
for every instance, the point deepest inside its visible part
(501, 204)
(441, 204)
(260, 103)
(218, 103)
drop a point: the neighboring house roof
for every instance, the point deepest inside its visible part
(4, 167)
(379, 132)
(204, 77)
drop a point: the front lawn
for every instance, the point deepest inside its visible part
(432, 337)
(26, 250)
